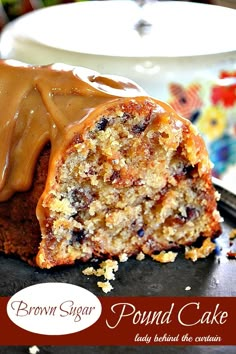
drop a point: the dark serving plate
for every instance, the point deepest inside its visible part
(213, 276)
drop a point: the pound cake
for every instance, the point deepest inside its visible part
(91, 166)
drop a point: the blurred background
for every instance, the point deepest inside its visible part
(11, 9)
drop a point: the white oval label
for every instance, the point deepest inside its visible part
(54, 308)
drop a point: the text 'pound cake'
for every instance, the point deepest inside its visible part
(90, 166)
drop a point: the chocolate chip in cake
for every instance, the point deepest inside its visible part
(81, 198)
(77, 235)
(91, 172)
(139, 128)
(138, 182)
(192, 213)
(189, 170)
(115, 175)
(102, 124)
(125, 117)
(140, 232)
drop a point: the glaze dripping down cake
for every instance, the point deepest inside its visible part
(91, 166)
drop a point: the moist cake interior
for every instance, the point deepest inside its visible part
(129, 183)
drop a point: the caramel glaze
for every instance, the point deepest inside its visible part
(38, 105)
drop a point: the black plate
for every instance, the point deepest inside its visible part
(213, 276)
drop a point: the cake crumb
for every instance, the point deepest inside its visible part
(89, 271)
(107, 269)
(105, 286)
(195, 253)
(188, 288)
(123, 257)
(140, 256)
(165, 257)
(34, 350)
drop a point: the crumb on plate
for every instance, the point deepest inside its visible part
(188, 288)
(195, 253)
(105, 286)
(107, 269)
(140, 256)
(165, 257)
(34, 350)
(123, 257)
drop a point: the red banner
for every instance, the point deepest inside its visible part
(140, 321)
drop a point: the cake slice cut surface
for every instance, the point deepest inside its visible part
(135, 178)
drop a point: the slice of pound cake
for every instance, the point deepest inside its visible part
(112, 173)
(134, 177)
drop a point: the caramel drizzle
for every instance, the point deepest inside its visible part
(38, 105)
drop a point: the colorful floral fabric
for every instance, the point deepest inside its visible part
(212, 122)
(213, 111)
(225, 91)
